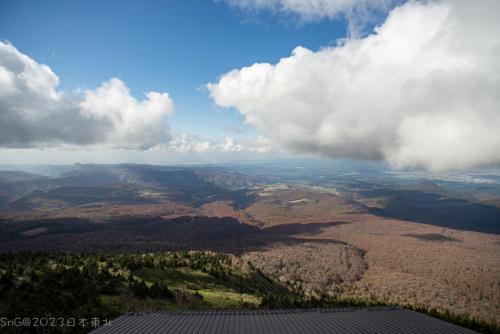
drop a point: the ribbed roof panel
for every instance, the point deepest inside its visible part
(384, 320)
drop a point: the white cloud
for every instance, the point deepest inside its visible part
(139, 124)
(422, 90)
(185, 143)
(258, 145)
(36, 117)
(357, 12)
(34, 113)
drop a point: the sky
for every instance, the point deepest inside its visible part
(173, 46)
(412, 83)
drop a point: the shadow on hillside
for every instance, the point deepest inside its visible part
(153, 234)
(305, 228)
(422, 207)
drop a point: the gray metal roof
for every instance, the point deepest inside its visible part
(384, 320)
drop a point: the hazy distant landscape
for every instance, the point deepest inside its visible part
(316, 230)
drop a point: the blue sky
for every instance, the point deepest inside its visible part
(173, 46)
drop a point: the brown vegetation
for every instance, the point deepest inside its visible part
(407, 263)
(315, 241)
(311, 267)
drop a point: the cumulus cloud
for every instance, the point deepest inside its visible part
(357, 12)
(257, 145)
(185, 143)
(34, 113)
(421, 90)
